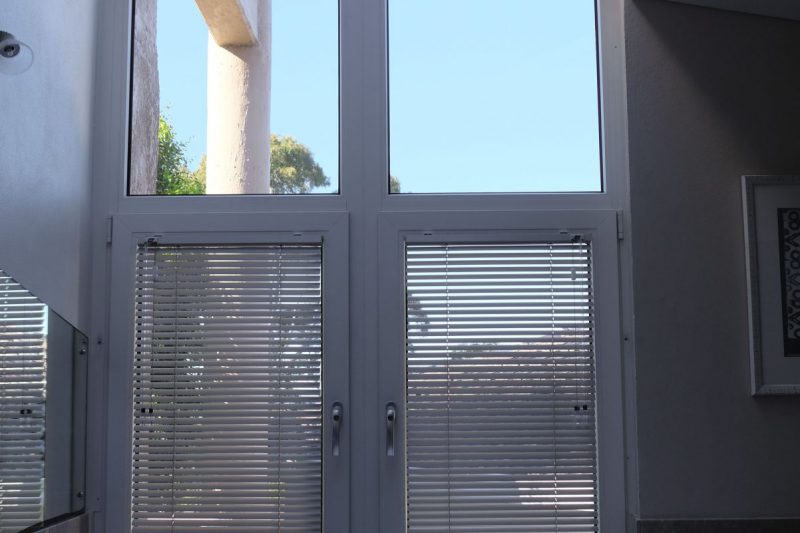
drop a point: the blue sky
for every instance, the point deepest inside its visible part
(485, 96)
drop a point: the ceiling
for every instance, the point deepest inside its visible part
(789, 9)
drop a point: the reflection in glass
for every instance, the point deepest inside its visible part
(234, 97)
(493, 96)
(500, 427)
(42, 421)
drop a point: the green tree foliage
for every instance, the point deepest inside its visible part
(292, 168)
(173, 176)
(200, 173)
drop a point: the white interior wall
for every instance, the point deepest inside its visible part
(45, 153)
(712, 95)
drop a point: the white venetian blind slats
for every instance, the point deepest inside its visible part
(227, 389)
(23, 354)
(500, 388)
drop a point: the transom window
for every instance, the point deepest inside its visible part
(242, 97)
(234, 97)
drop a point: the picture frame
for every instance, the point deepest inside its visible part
(772, 243)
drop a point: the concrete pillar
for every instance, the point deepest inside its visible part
(145, 105)
(238, 106)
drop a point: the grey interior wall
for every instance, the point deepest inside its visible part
(45, 144)
(712, 95)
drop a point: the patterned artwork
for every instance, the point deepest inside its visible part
(789, 233)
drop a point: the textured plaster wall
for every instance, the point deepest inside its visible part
(45, 147)
(712, 95)
(144, 101)
(238, 113)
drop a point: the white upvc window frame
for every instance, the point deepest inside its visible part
(329, 230)
(364, 199)
(599, 228)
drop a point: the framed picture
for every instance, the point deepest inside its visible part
(772, 241)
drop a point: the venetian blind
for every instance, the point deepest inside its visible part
(500, 388)
(23, 354)
(227, 389)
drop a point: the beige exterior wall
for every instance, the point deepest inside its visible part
(238, 112)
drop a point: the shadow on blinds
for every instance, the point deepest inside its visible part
(500, 388)
(227, 418)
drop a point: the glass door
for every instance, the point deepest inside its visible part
(230, 348)
(497, 372)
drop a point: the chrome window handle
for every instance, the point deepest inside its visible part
(391, 419)
(337, 417)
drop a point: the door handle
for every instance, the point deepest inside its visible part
(391, 420)
(337, 418)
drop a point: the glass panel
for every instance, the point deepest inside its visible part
(493, 96)
(42, 411)
(227, 419)
(234, 97)
(500, 388)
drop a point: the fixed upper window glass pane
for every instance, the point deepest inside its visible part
(493, 96)
(234, 97)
